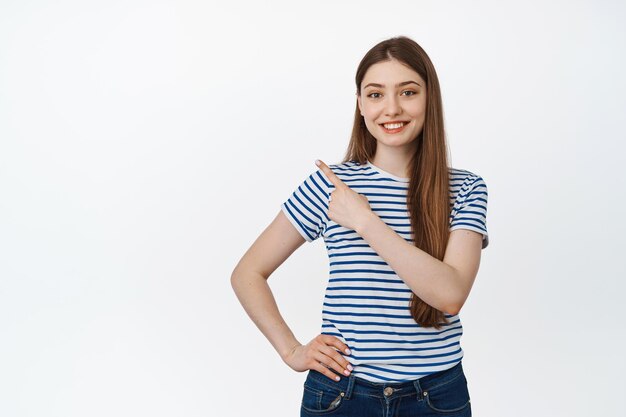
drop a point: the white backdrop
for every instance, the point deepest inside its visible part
(144, 145)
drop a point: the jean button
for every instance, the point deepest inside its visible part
(388, 391)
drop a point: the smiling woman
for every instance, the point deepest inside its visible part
(396, 110)
(404, 233)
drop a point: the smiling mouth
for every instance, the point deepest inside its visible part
(393, 127)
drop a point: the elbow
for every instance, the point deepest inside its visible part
(234, 278)
(240, 276)
(453, 309)
(233, 282)
(457, 296)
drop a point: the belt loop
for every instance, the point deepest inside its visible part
(351, 381)
(418, 388)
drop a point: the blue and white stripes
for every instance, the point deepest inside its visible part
(470, 208)
(307, 207)
(366, 305)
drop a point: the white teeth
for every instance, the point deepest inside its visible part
(393, 125)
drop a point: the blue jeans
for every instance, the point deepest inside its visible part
(443, 393)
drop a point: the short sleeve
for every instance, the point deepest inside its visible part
(307, 207)
(470, 208)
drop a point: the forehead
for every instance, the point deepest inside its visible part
(390, 73)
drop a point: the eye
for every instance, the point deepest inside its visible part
(409, 91)
(370, 95)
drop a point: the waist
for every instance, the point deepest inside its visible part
(389, 390)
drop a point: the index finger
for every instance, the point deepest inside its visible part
(330, 174)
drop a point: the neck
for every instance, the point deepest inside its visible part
(395, 162)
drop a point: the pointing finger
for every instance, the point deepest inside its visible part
(330, 174)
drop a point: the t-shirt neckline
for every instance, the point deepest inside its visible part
(386, 174)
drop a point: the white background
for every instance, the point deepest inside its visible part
(144, 145)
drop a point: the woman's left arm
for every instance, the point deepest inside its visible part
(445, 284)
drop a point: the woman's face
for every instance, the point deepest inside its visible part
(393, 92)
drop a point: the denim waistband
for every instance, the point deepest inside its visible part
(389, 390)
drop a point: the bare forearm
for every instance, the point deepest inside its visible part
(434, 281)
(257, 299)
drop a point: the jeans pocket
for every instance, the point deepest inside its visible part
(321, 399)
(451, 397)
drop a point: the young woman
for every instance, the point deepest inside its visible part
(404, 233)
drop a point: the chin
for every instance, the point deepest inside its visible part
(405, 137)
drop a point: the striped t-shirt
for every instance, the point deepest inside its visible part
(366, 304)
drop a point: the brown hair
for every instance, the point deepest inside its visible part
(428, 196)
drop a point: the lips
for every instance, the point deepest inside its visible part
(394, 123)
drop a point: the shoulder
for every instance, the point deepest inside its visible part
(348, 166)
(463, 175)
(342, 170)
(462, 181)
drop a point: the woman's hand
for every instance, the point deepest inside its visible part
(319, 354)
(345, 207)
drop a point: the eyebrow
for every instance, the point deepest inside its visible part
(397, 85)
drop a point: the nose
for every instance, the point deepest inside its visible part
(392, 106)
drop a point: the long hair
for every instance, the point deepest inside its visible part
(428, 195)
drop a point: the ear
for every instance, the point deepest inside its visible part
(358, 100)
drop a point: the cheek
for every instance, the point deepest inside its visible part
(418, 109)
(414, 106)
(371, 113)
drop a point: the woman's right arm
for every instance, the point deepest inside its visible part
(249, 281)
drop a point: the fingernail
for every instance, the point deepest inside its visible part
(337, 378)
(350, 367)
(348, 351)
(317, 162)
